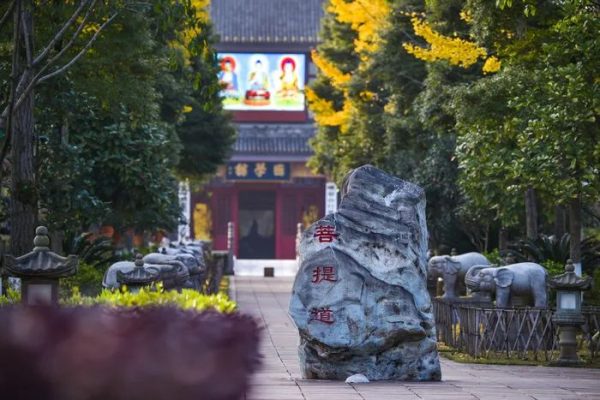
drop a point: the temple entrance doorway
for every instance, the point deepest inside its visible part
(256, 224)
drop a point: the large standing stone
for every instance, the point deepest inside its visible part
(360, 300)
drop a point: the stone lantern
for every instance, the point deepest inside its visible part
(40, 270)
(568, 316)
(139, 277)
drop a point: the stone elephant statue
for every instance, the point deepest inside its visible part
(195, 270)
(109, 280)
(525, 279)
(453, 270)
(173, 275)
(183, 249)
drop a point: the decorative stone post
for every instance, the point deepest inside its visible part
(228, 270)
(298, 239)
(40, 270)
(230, 236)
(568, 315)
(139, 277)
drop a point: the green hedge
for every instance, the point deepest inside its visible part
(187, 299)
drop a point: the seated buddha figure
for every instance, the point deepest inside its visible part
(288, 78)
(257, 92)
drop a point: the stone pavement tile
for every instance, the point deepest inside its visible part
(275, 395)
(390, 396)
(280, 378)
(318, 383)
(496, 395)
(364, 389)
(327, 391)
(334, 396)
(465, 396)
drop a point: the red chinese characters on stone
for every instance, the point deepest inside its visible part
(320, 274)
(325, 233)
(323, 314)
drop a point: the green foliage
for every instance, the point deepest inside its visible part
(542, 249)
(152, 297)
(556, 251)
(334, 150)
(205, 133)
(113, 128)
(97, 252)
(11, 297)
(400, 123)
(529, 358)
(533, 124)
(554, 267)
(494, 257)
(87, 281)
(592, 297)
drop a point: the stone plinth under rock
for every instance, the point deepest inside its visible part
(360, 300)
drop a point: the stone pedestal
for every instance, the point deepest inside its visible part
(569, 324)
(567, 337)
(360, 300)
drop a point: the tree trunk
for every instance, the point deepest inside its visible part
(560, 221)
(531, 215)
(56, 242)
(575, 233)
(502, 239)
(486, 238)
(23, 199)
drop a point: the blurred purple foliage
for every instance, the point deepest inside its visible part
(112, 354)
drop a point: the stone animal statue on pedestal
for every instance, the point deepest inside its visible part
(195, 270)
(525, 279)
(452, 269)
(174, 275)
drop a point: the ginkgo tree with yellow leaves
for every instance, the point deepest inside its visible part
(364, 95)
(494, 77)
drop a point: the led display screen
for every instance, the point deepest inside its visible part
(262, 82)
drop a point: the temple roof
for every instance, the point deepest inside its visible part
(267, 21)
(274, 140)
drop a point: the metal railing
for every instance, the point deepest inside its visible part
(526, 333)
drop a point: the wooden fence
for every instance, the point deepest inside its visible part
(526, 333)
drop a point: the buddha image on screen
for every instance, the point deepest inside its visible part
(288, 78)
(228, 77)
(257, 89)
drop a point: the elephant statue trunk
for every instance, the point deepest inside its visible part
(471, 278)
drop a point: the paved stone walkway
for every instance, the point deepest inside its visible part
(280, 379)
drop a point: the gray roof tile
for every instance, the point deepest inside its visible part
(274, 139)
(267, 21)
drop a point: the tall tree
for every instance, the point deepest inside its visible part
(549, 55)
(30, 66)
(125, 75)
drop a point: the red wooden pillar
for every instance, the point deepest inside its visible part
(278, 222)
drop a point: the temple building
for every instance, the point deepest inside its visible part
(265, 188)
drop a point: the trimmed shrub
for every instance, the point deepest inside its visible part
(89, 353)
(187, 299)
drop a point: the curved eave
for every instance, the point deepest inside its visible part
(41, 264)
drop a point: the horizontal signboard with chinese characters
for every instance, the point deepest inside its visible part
(258, 171)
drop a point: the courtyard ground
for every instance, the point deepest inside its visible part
(280, 379)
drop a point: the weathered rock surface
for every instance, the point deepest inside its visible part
(360, 300)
